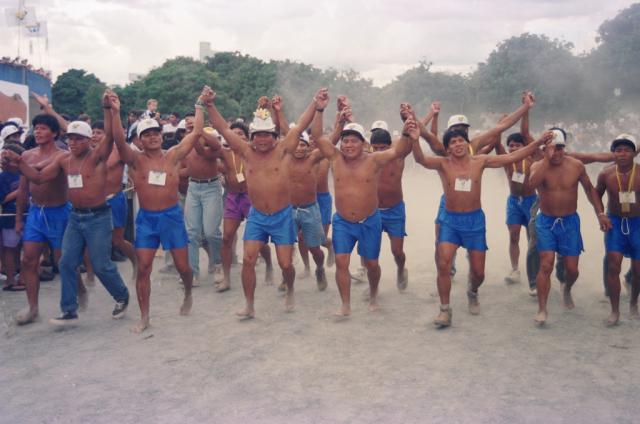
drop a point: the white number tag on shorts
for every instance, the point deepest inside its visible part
(157, 178)
(463, 184)
(517, 177)
(240, 177)
(74, 180)
(627, 197)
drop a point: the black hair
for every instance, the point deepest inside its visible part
(48, 120)
(517, 137)
(98, 125)
(380, 136)
(242, 126)
(186, 115)
(176, 114)
(449, 134)
(84, 117)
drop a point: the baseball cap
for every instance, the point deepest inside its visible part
(80, 128)
(457, 120)
(8, 131)
(147, 124)
(559, 139)
(304, 137)
(353, 128)
(17, 121)
(379, 125)
(620, 139)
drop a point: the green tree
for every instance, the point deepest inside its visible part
(76, 92)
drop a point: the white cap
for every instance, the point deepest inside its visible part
(147, 124)
(182, 125)
(262, 125)
(457, 120)
(558, 138)
(80, 128)
(211, 131)
(353, 128)
(379, 125)
(304, 137)
(17, 121)
(8, 131)
(621, 138)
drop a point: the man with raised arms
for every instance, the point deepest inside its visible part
(622, 184)
(236, 208)
(155, 175)
(556, 178)
(357, 218)
(89, 222)
(463, 221)
(266, 162)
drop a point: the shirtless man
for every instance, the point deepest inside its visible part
(463, 221)
(48, 213)
(357, 218)
(203, 205)
(89, 222)
(622, 184)
(155, 175)
(266, 164)
(236, 208)
(303, 185)
(556, 178)
(391, 203)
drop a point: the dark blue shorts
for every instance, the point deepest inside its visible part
(466, 229)
(519, 209)
(325, 203)
(46, 224)
(624, 237)
(367, 233)
(279, 226)
(118, 205)
(165, 226)
(559, 234)
(441, 210)
(394, 220)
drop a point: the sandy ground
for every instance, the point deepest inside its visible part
(387, 367)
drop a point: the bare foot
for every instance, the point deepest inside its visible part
(474, 305)
(268, 278)
(83, 300)
(344, 311)
(374, 306)
(223, 287)
(403, 279)
(289, 301)
(613, 319)
(567, 299)
(443, 319)
(27, 316)
(321, 279)
(185, 309)
(540, 318)
(633, 311)
(140, 326)
(246, 313)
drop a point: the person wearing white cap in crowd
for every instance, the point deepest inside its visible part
(357, 218)
(621, 182)
(203, 204)
(89, 223)
(10, 134)
(556, 178)
(48, 213)
(155, 175)
(271, 216)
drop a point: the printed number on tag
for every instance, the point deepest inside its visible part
(463, 184)
(240, 177)
(517, 177)
(157, 178)
(74, 180)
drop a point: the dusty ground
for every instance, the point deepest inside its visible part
(388, 367)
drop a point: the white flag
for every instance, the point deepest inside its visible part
(37, 30)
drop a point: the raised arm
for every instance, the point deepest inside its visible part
(208, 146)
(318, 104)
(46, 107)
(524, 122)
(587, 158)
(182, 149)
(236, 143)
(435, 108)
(109, 105)
(518, 155)
(277, 107)
(325, 146)
(595, 200)
(402, 146)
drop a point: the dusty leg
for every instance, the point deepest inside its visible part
(229, 230)
(251, 249)
(265, 252)
(29, 277)
(635, 289)
(476, 278)
(373, 274)
(181, 261)
(514, 254)
(331, 257)
(318, 258)
(397, 249)
(143, 286)
(570, 277)
(444, 253)
(614, 264)
(343, 280)
(543, 284)
(284, 253)
(118, 240)
(304, 255)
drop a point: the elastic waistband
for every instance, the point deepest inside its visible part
(35, 205)
(391, 207)
(203, 180)
(100, 208)
(271, 214)
(307, 206)
(170, 208)
(473, 212)
(375, 211)
(533, 196)
(573, 215)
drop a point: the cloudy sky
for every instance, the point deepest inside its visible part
(380, 39)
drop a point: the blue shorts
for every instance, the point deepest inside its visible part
(367, 233)
(279, 226)
(519, 209)
(394, 219)
(325, 203)
(165, 226)
(308, 221)
(466, 229)
(118, 205)
(441, 211)
(46, 224)
(624, 237)
(559, 234)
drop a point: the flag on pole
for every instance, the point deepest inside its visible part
(39, 29)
